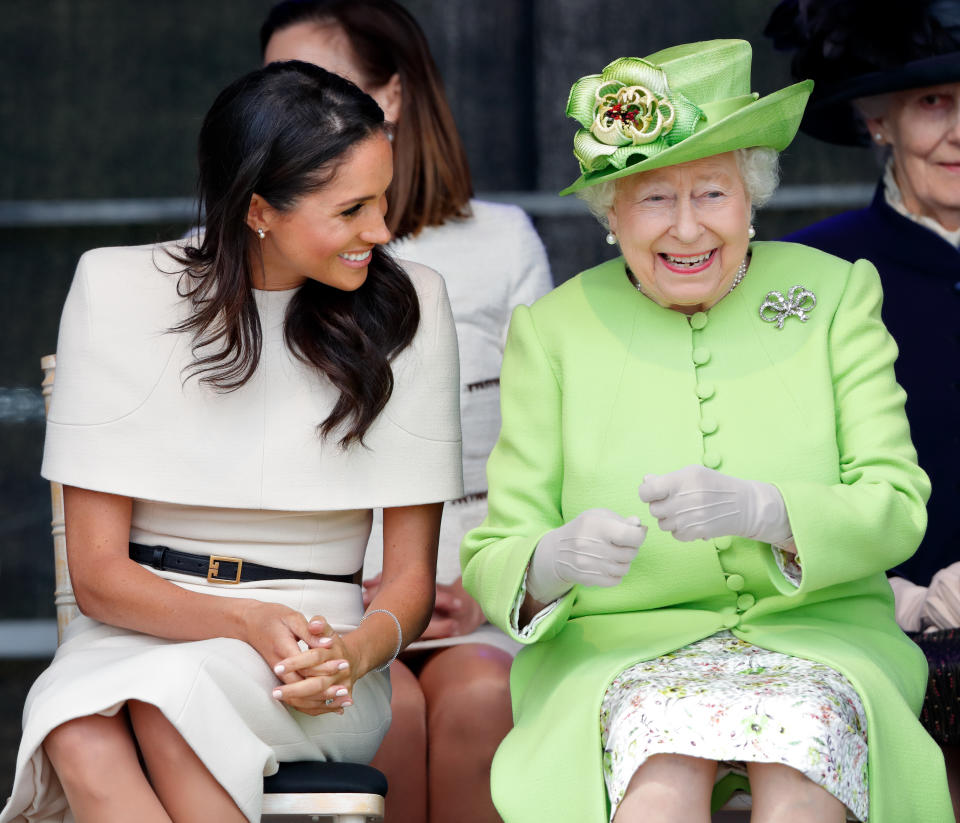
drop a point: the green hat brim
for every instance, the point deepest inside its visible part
(770, 121)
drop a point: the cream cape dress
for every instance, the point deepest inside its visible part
(240, 474)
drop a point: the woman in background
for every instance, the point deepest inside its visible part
(227, 413)
(901, 96)
(892, 81)
(450, 705)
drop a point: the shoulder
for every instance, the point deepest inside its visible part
(500, 216)
(127, 277)
(780, 266)
(843, 234)
(427, 282)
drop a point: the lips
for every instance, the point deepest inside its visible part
(687, 263)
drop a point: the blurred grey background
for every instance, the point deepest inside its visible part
(100, 104)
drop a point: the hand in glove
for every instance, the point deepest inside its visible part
(593, 549)
(699, 503)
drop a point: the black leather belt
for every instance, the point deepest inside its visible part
(221, 569)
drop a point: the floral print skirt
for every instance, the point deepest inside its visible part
(727, 700)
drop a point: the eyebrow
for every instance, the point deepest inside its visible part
(354, 200)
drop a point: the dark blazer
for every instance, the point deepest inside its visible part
(920, 272)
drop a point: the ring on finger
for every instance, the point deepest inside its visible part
(328, 702)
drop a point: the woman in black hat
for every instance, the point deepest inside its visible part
(893, 82)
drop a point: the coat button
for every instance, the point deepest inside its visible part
(730, 621)
(735, 582)
(701, 355)
(711, 459)
(698, 320)
(705, 389)
(745, 601)
(722, 543)
(708, 425)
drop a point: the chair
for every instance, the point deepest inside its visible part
(319, 792)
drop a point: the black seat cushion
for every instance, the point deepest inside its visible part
(941, 705)
(317, 776)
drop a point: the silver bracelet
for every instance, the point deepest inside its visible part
(386, 665)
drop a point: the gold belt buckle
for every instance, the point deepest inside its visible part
(214, 569)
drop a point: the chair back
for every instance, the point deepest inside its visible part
(63, 597)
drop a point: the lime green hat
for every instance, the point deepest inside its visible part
(680, 104)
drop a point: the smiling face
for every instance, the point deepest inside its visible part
(923, 128)
(329, 234)
(327, 45)
(683, 230)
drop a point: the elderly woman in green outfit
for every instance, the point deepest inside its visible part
(729, 626)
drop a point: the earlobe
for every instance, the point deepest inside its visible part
(390, 98)
(612, 221)
(875, 127)
(259, 213)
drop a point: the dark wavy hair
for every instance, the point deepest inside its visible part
(431, 176)
(282, 132)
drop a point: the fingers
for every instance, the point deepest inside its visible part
(446, 601)
(655, 487)
(440, 627)
(315, 696)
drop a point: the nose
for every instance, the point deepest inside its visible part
(376, 230)
(686, 223)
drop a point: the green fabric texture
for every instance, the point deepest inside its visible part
(601, 386)
(708, 85)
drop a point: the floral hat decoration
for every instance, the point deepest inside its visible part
(680, 104)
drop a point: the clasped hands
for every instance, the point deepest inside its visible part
(692, 503)
(314, 681)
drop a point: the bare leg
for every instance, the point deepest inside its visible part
(669, 788)
(96, 761)
(782, 793)
(402, 756)
(467, 689)
(182, 782)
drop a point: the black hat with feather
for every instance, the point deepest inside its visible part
(860, 48)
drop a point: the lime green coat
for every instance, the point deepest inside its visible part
(600, 386)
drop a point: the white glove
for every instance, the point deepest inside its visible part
(908, 599)
(699, 503)
(594, 549)
(942, 606)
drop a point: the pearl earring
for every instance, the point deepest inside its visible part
(751, 232)
(878, 137)
(611, 238)
(261, 233)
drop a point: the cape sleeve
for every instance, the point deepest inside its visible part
(875, 517)
(525, 474)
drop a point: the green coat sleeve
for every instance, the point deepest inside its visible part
(875, 516)
(525, 476)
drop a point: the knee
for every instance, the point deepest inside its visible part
(475, 705)
(407, 704)
(82, 751)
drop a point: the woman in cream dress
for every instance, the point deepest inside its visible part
(226, 416)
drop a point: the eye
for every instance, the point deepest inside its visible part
(933, 100)
(352, 210)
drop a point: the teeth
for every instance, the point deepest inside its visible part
(688, 261)
(356, 257)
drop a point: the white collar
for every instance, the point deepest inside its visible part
(891, 193)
